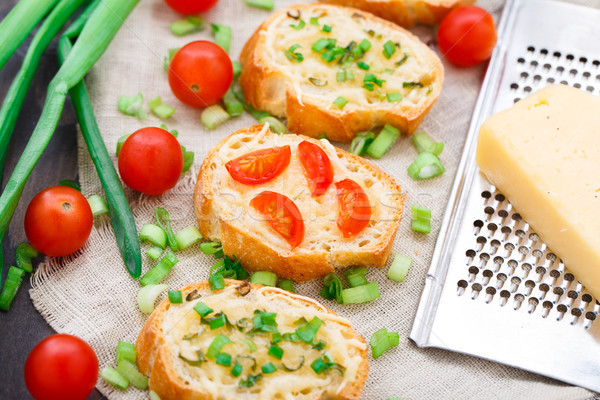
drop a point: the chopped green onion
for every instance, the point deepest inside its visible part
(364, 45)
(276, 352)
(421, 219)
(363, 65)
(309, 331)
(426, 165)
(361, 294)
(120, 142)
(389, 48)
(264, 322)
(326, 28)
(314, 21)
(112, 377)
(317, 81)
(371, 78)
(237, 369)
(383, 340)
(162, 214)
(153, 234)
(237, 69)
(402, 60)
(412, 85)
(276, 338)
(217, 321)
(322, 136)
(159, 109)
(23, 255)
(318, 366)
(188, 25)
(223, 359)
(287, 285)
(393, 97)
(356, 276)
(130, 372)
(167, 60)
(423, 143)
(188, 160)
(383, 142)
(202, 309)
(275, 125)
(222, 36)
(213, 116)
(194, 363)
(98, 205)
(266, 278)
(361, 142)
(147, 296)
(323, 44)
(399, 268)
(292, 55)
(332, 54)
(340, 102)
(296, 368)
(232, 104)
(230, 267)
(249, 344)
(70, 183)
(133, 106)
(301, 24)
(216, 282)
(332, 287)
(155, 252)
(211, 248)
(154, 396)
(187, 237)
(291, 337)
(263, 4)
(126, 351)
(250, 381)
(175, 296)
(340, 76)
(161, 270)
(216, 345)
(14, 278)
(268, 368)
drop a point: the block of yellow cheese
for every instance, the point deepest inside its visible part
(543, 154)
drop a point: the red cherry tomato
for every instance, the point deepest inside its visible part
(260, 166)
(200, 73)
(317, 167)
(58, 221)
(467, 36)
(354, 209)
(282, 214)
(151, 161)
(189, 7)
(61, 367)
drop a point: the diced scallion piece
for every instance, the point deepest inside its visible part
(223, 359)
(120, 142)
(412, 85)
(175, 296)
(147, 296)
(276, 351)
(326, 28)
(292, 55)
(161, 270)
(421, 219)
(133, 106)
(314, 21)
(323, 44)
(114, 378)
(237, 369)
(301, 24)
(202, 309)
(308, 332)
(23, 255)
(268, 368)
(213, 116)
(167, 60)
(159, 109)
(356, 276)
(332, 287)
(187, 237)
(98, 205)
(423, 143)
(383, 340)
(393, 97)
(263, 4)
(361, 142)
(188, 25)
(399, 268)
(161, 215)
(130, 372)
(266, 278)
(287, 285)
(361, 294)
(389, 48)
(222, 36)
(70, 183)
(232, 104)
(383, 142)
(275, 125)
(402, 60)
(188, 160)
(153, 234)
(363, 65)
(237, 69)
(14, 278)
(154, 396)
(217, 344)
(211, 248)
(216, 282)
(126, 351)
(340, 102)
(155, 252)
(426, 165)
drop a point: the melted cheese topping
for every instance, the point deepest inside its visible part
(217, 380)
(418, 67)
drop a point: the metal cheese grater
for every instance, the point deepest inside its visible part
(494, 290)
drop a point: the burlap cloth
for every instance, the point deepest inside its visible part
(92, 296)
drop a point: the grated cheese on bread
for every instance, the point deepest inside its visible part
(171, 334)
(406, 13)
(222, 210)
(274, 79)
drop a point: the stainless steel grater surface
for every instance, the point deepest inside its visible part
(494, 290)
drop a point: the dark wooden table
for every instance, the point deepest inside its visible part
(23, 327)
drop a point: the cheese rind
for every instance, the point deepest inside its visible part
(543, 154)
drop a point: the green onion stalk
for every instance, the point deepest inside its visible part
(101, 27)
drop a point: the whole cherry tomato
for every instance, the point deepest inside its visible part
(58, 221)
(317, 167)
(260, 166)
(61, 367)
(282, 214)
(354, 209)
(200, 73)
(188, 7)
(151, 161)
(467, 36)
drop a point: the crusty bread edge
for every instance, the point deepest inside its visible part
(255, 255)
(152, 356)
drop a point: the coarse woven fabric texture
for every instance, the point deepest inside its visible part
(91, 295)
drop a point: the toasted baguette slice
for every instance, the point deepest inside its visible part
(406, 12)
(222, 210)
(168, 335)
(305, 91)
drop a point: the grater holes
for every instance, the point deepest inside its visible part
(576, 312)
(555, 273)
(533, 303)
(531, 49)
(544, 288)
(572, 294)
(470, 253)
(485, 194)
(537, 253)
(534, 237)
(547, 307)
(514, 86)
(590, 89)
(560, 69)
(556, 54)
(523, 250)
(573, 72)
(576, 85)
(544, 52)
(492, 291)
(550, 80)
(503, 214)
(534, 63)
(583, 60)
(586, 75)
(551, 256)
(561, 308)
(596, 63)
(527, 89)
(521, 60)
(524, 76)
(586, 298)
(537, 78)
(517, 217)
(558, 291)
(590, 315)
(570, 57)
(500, 197)
(489, 210)
(547, 67)
(564, 82)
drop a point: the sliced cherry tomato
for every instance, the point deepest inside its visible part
(151, 161)
(260, 166)
(200, 73)
(467, 36)
(61, 367)
(282, 214)
(354, 209)
(317, 167)
(189, 7)
(58, 221)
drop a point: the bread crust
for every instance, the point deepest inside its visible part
(260, 79)
(256, 255)
(153, 356)
(406, 13)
